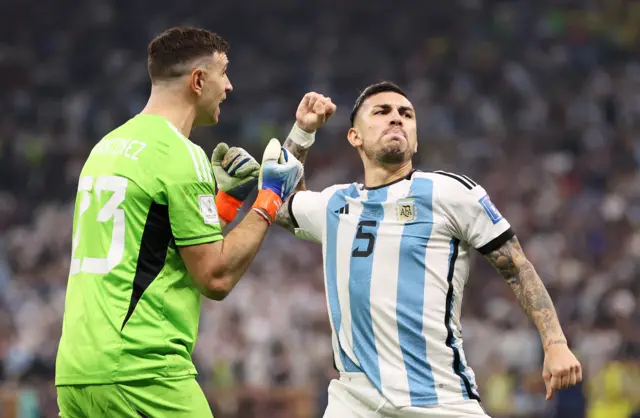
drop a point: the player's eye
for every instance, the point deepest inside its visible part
(409, 115)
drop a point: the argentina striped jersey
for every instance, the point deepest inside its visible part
(396, 260)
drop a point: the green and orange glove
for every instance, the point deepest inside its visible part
(236, 173)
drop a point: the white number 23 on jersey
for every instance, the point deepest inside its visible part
(110, 210)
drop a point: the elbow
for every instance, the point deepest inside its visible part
(218, 288)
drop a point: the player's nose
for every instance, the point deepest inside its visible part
(395, 118)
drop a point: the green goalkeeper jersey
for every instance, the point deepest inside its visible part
(132, 310)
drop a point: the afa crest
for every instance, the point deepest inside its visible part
(406, 210)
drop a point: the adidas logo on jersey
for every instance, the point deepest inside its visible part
(343, 210)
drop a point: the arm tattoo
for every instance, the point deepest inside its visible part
(301, 154)
(283, 217)
(523, 279)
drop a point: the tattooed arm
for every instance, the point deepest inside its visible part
(313, 111)
(520, 275)
(284, 217)
(561, 369)
(301, 154)
(478, 222)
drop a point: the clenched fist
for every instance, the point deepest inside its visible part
(314, 111)
(561, 369)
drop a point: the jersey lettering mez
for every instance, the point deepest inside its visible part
(396, 260)
(131, 310)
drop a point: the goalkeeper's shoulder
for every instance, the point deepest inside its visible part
(185, 164)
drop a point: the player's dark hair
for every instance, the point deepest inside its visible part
(373, 89)
(178, 46)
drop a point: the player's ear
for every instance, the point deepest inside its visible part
(354, 137)
(197, 81)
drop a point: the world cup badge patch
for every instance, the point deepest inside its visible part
(490, 209)
(208, 209)
(406, 210)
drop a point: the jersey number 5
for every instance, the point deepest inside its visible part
(361, 234)
(110, 210)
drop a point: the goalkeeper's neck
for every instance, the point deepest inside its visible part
(170, 103)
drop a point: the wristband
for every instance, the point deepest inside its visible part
(263, 214)
(269, 202)
(228, 206)
(301, 137)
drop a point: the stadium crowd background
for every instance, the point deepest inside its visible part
(539, 101)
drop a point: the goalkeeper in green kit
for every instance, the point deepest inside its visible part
(148, 242)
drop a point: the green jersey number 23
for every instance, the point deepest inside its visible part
(91, 188)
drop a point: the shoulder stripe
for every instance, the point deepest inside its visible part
(473, 183)
(188, 145)
(207, 163)
(199, 155)
(206, 167)
(456, 177)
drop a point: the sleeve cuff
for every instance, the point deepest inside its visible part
(291, 215)
(201, 239)
(497, 242)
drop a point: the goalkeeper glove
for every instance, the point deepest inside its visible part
(280, 173)
(236, 174)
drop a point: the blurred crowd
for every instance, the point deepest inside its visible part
(538, 101)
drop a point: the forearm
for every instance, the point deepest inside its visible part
(521, 276)
(536, 302)
(240, 247)
(283, 217)
(218, 266)
(298, 151)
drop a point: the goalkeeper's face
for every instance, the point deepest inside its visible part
(385, 129)
(211, 84)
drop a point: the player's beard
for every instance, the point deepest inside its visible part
(394, 153)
